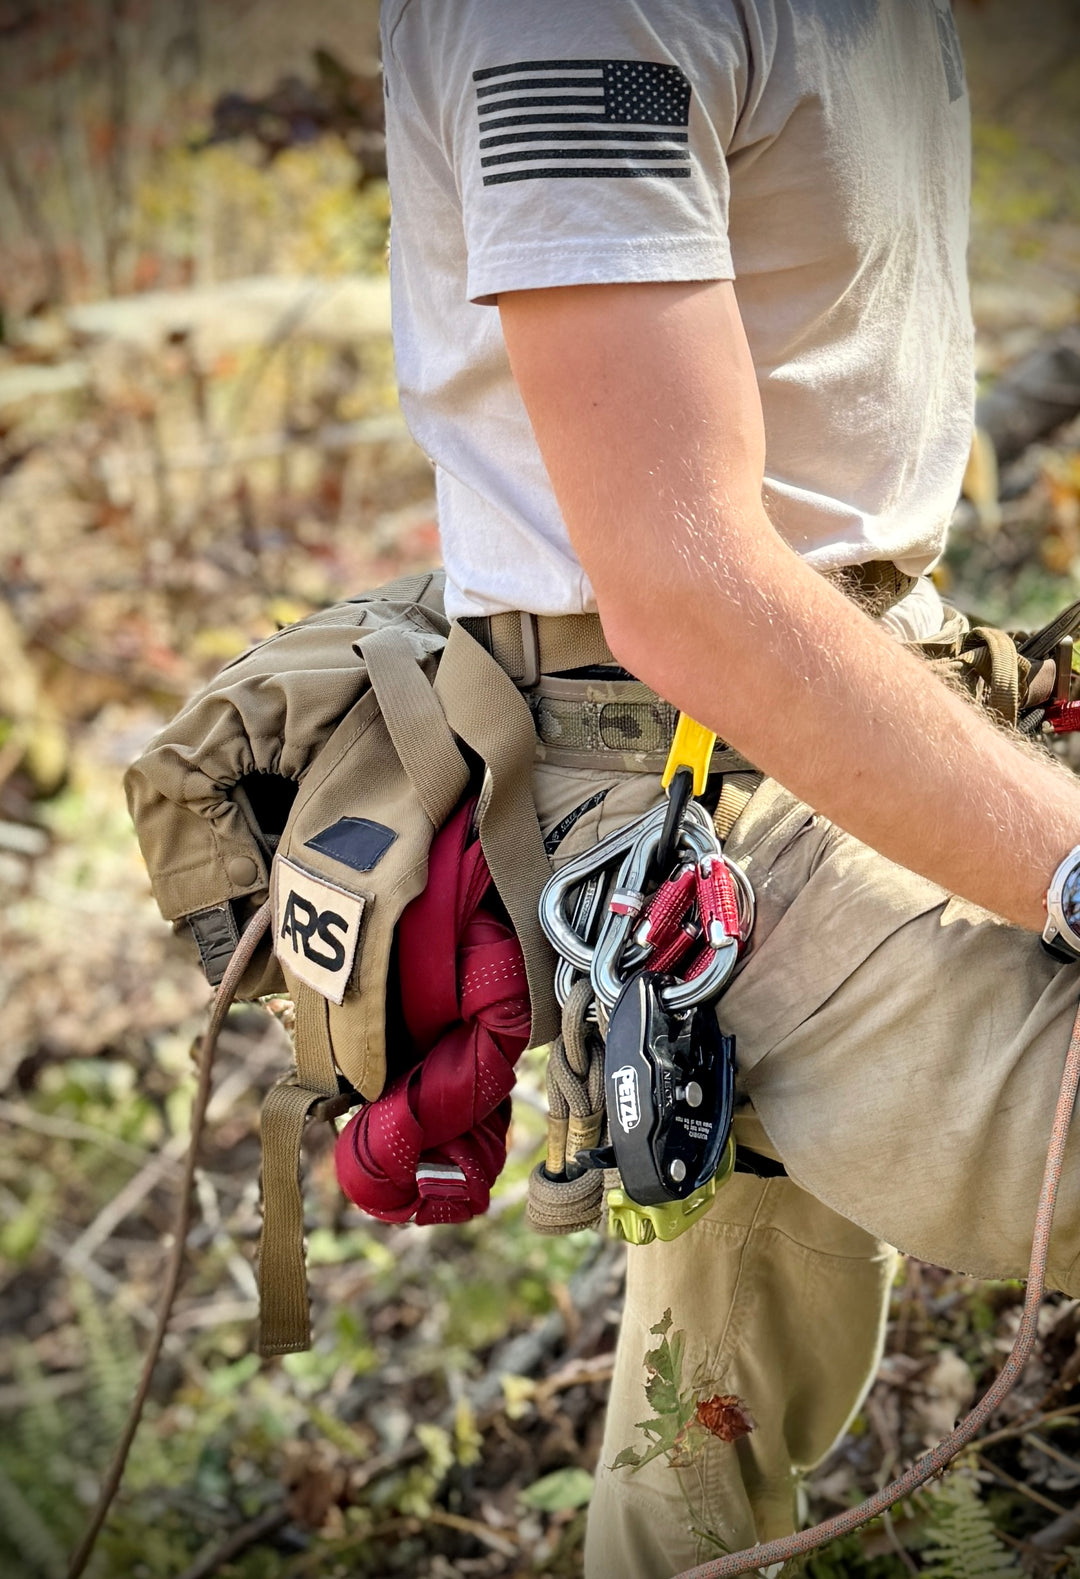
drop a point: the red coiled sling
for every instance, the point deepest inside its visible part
(433, 1144)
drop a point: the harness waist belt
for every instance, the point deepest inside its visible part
(529, 645)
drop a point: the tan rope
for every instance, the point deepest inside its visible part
(238, 963)
(933, 1462)
(562, 1199)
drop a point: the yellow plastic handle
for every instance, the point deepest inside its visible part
(692, 747)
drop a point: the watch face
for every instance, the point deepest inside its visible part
(1070, 901)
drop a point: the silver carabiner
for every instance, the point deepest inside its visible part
(555, 896)
(582, 881)
(588, 903)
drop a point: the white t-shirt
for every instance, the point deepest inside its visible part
(816, 152)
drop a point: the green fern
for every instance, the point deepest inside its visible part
(26, 1531)
(962, 1542)
(111, 1357)
(40, 1429)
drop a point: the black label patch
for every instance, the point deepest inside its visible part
(217, 934)
(316, 928)
(354, 841)
(561, 119)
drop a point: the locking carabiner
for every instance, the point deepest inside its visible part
(588, 903)
(614, 958)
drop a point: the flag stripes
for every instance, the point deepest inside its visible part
(624, 119)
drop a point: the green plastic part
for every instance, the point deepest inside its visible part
(640, 1225)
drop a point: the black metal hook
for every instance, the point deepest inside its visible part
(680, 791)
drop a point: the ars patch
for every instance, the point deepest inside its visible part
(316, 928)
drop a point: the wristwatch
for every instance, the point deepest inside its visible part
(1061, 934)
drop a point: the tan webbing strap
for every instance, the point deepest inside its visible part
(769, 821)
(485, 708)
(529, 645)
(1003, 694)
(526, 646)
(416, 723)
(284, 1318)
(876, 586)
(735, 793)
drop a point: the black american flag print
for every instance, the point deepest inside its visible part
(543, 120)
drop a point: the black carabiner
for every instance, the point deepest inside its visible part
(680, 791)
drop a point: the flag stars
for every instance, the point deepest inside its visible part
(645, 100)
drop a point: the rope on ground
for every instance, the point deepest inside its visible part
(939, 1457)
(238, 963)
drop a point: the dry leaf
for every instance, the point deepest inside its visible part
(725, 1416)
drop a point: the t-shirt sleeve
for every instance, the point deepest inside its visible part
(587, 142)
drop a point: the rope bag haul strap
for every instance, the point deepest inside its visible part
(410, 740)
(315, 770)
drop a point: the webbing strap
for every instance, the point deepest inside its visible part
(736, 792)
(526, 646)
(485, 708)
(415, 722)
(284, 1320)
(1003, 694)
(875, 586)
(529, 645)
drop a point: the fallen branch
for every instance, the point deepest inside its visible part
(264, 1524)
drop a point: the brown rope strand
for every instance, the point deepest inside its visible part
(933, 1462)
(241, 958)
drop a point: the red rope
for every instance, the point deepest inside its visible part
(433, 1144)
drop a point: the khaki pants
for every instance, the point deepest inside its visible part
(782, 1303)
(900, 1051)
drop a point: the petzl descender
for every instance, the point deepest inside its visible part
(672, 1166)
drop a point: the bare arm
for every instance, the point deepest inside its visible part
(645, 406)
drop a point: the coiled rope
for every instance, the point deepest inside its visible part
(563, 1197)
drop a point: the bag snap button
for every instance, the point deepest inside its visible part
(241, 870)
